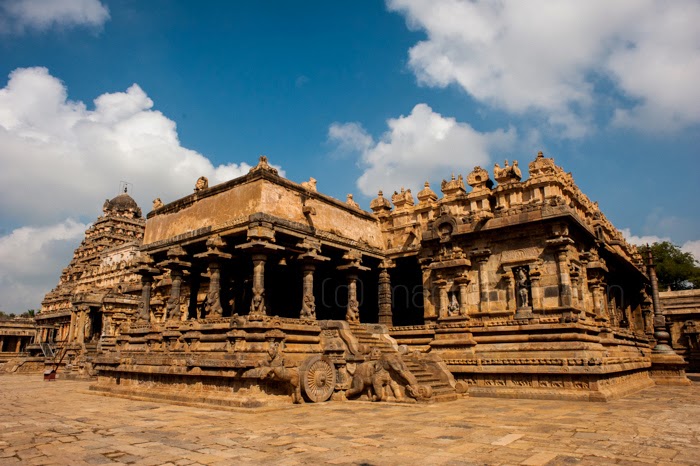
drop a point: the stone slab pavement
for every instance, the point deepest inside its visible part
(61, 423)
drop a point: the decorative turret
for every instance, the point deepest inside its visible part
(542, 166)
(507, 174)
(479, 179)
(453, 187)
(426, 195)
(380, 204)
(402, 199)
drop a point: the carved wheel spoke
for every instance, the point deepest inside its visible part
(318, 378)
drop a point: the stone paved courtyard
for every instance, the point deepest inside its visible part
(62, 423)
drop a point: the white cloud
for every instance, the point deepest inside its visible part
(548, 56)
(421, 146)
(61, 160)
(65, 159)
(18, 15)
(642, 240)
(31, 260)
(692, 246)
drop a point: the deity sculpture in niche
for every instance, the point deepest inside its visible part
(453, 306)
(523, 288)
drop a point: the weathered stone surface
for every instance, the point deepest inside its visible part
(262, 286)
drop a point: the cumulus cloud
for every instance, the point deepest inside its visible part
(31, 259)
(692, 246)
(423, 145)
(642, 240)
(65, 159)
(19, 15)
(61, 160)
(561, 58)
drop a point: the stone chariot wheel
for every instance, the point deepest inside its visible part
(317, 378)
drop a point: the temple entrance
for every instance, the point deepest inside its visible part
(407, 292)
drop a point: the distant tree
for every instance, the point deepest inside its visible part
(29, 313)
(674, 268)
(4, 315)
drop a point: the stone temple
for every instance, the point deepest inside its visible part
(261, 290)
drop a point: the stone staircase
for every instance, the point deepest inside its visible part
(420, 368)
(365, 337)
(442, 391)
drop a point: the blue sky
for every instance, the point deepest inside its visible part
(359, 95)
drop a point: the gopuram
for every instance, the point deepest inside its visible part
(262, 290)
(96, 293)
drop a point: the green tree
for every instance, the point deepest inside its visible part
(29, 313)
(674, 268)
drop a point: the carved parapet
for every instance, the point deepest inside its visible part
(380, 204)
(479, 180)
(453, 187)
(403, 199)
(264, 166)
(426, 195)
(507, 174)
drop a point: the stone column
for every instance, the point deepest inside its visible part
(482, 258)
(536, 289)
(71, 327)
(175, 290)
(214, 308)
(145, 310)
(564, 278)
(385, 313)
(257, 305)
(443, 298)
(511, 303)
(2, 343)
(428, 305)
(462, 283)
(660, 333)
(353, 309)
(308, 301)
(18, 344)
(597, 288)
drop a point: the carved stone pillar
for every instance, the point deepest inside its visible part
(177, 266)
(257, 305)
(261, 238)
(428, 305)
(72, 326)
(462, 284)
(660, 333)
(511, 303)
(308, 304)
(353, 310)
(353, 266)
(443, 298)
(174, 301)
(82, 317)
(598, 292)
(145, 310)
(564, 278)
(147, 272)
(385, 312)
(536, 289)
(309, 259)
(482, 256)
(214, 255)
